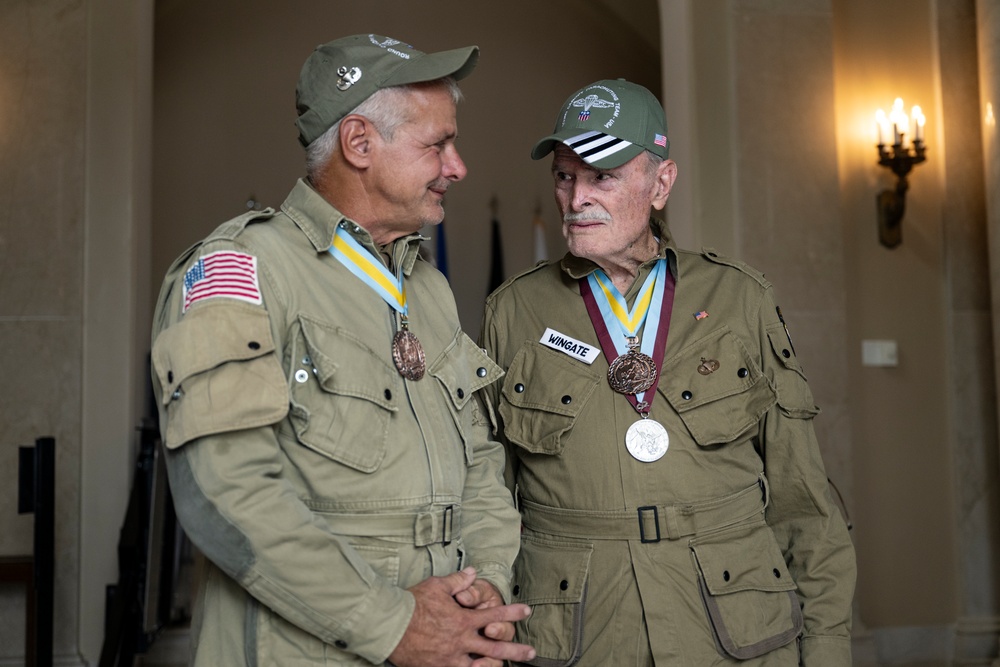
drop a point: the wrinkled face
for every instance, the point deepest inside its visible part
(605, 211)
(412, 172)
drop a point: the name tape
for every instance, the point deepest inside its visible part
(577, 349)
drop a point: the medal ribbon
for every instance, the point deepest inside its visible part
(372, 272)
(656, 299)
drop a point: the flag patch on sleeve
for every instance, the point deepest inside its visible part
(222, 274)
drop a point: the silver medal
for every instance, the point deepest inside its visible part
(647, 440)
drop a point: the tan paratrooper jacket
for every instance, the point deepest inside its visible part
(727, 549)
(318, 482)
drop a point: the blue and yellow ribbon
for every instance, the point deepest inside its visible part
(369, 269)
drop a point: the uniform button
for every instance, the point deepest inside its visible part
(340, 643)
(725, 575)
(460, 393)
(567, 400)
(481, 372)
(786, 354)
(563, 585)
(519, 388)
(687, 395)
(306, 361)
(176, 394)
(777, 575)
(388, 395)
(170, 377)
(516, 590)
(301, 376)
(743, 372)
(253, 345)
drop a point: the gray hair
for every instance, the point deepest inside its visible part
(386, 111)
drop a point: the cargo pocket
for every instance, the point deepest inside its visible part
(343, 394)
(716, 387)
(542, 395)
(551, 577)
(794, 396)
(218, 372)
(748, 592)
(461, 370)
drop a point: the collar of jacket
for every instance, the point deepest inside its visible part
(318, 220)
(577, 267)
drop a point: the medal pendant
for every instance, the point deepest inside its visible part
(647, 440)
(408, 355)
(632, 373)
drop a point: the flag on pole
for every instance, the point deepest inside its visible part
(496, 252)
(538, 225)
(441, 250)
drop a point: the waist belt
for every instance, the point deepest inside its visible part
(438, 525)
(649, 523)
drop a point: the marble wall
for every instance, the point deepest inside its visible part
(42, 181)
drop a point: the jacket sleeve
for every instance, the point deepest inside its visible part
(221, 389)
(806, 522)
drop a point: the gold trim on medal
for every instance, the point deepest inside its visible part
(408, 354)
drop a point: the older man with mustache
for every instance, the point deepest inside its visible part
(658, 428)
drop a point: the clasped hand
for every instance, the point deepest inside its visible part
(460, 621)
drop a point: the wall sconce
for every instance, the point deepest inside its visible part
(900, 158)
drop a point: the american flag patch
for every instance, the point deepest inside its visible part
(660, 140)
(585, 114)
(701, 314)
(224, 273)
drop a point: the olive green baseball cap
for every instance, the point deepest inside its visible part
(340, 75)
(608, 123)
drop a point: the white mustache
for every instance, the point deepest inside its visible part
(600, 216)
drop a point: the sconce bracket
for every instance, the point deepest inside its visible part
(891, 204)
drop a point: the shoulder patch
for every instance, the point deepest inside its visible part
(224, 273)
(711, 255)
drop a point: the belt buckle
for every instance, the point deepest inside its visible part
(656, 520)
(446, 520)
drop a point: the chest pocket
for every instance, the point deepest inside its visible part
(542, 395)
(218, 372)
(343, 394)
(460, 371)
(716, 387)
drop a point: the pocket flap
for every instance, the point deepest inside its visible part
(543, 392)
(716, 387)
(748, 592)
(551, 572)
(207, 337)
(463, 369)
(345, 365)
(794, 395)
(218, 372)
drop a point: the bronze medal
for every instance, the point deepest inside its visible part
(632, 373)
(408, 355)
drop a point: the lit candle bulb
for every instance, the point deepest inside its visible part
(899, 121)
(918, 123)
(881, 126)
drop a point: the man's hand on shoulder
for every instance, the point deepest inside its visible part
(460, 621)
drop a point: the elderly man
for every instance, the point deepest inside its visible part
(659, 430)
(324, 441)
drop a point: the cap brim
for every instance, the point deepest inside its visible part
(457, 63)
(601, 159)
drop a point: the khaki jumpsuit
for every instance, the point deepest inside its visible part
(729, 548)
(319, 483)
